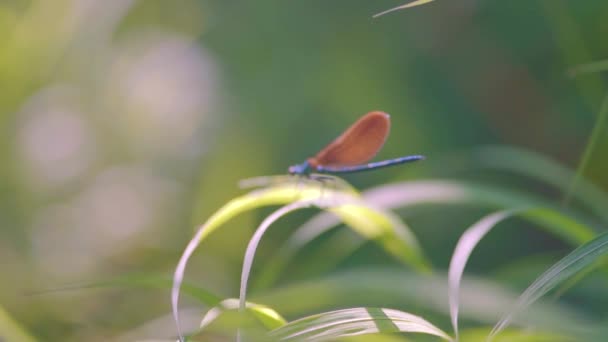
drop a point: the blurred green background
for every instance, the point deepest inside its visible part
(125, 124)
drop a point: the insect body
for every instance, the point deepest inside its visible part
(351, 151)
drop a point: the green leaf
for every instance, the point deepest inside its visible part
(598, 127)
(574, 263)
(355, 321)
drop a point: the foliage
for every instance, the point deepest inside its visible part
(125, 124)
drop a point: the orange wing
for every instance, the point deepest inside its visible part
(358, 144)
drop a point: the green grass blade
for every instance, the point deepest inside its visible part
(255, 240)
(353, 322)
(354, 212)
(575, 262)
(283, 192)
(363, 218)
(467, 242)
(408, 5)
(10, 330)
(590, 147)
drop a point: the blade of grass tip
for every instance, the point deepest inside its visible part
(411, 4)
(467, 242)
(564, 269)
(591, 144)
(589, 68)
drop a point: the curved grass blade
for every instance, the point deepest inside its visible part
(467, 242)
(411, 4)
(575, 262)
(389, 231)
(350, 213)
(255, 240)
(353, 322)
(364, 219)
(279, 194)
